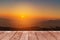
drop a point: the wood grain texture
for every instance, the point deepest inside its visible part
(29, 35)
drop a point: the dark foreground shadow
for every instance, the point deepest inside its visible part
(31, 29)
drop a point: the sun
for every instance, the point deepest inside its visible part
(22, 16)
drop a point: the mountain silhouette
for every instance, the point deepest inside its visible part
(47, 25)
(5, 24)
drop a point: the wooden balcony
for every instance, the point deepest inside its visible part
(29, 35)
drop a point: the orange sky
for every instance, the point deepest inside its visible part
(24, 12)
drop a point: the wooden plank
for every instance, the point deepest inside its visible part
(24, 36)
(47, 36)
(29, 35)
(56, 34)
(16, 36)
(9, 35)
(32, 36)
(2, 34)
(40, 36)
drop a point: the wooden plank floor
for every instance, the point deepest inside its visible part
(29, 35)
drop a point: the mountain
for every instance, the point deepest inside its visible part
(47, 25)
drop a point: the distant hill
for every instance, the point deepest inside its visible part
(47, 25)
(52, 23)
(5, 24)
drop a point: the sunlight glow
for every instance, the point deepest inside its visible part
(22, 16)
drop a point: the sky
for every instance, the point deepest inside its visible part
(25, 13)
(40, 8)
